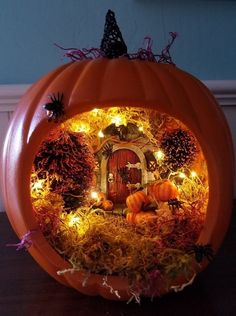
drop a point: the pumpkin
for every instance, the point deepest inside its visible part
(107, 205)
(163, 191)
(114, 82)
(136, 201)
(101, 197)
(141, 218)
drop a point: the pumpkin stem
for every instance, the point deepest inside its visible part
(112, 43)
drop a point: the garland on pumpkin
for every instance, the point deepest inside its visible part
(113, 46)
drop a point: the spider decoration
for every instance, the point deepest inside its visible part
(124, 174)
(55, 108)
(201, 251)
(107, 150)
(175, 204)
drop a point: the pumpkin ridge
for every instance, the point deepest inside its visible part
(87, 70)
(136, 69)
(185, 92)
(156, 71)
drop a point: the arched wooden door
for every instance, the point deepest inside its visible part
(123, 168)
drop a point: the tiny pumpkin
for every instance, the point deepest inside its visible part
(136, 201)
(163, 191)
(107, 205)
(100, 199)
(141, 217)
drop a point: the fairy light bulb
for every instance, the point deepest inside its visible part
(140, 128)
(159, 155)
(95, 111)
(193, 174)
(100, 134)
(38, 188)
(94, 195)
(83, 128)
(38, 185)
(118, 120)
(73, 221)
(182, 175)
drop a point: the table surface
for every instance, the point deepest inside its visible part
(25, 289)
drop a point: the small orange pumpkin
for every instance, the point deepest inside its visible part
(100, 199)
(136, 201)
(141, 217)
(107, 205)
(163, 191)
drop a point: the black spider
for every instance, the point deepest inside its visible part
(107, 150)
(124, 174)
(175, 204)
(201, 251)
(55, 108)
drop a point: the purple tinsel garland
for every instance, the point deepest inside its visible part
(143, 53)
(25, 241)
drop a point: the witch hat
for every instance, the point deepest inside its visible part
(112, 43)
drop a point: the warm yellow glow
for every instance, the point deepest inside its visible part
(159, 155)
(38, 187)
(118, 120)
(94, 195)
(73, 221)
(95, 111)
(193, 174)
(182, 175)
(81, 127)
(100, 134)
(140, 128)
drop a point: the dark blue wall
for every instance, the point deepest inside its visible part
(206, 45)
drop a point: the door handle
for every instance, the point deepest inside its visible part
(110, 177)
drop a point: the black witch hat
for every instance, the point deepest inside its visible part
(112, 43)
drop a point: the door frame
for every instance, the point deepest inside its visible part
(137, 151)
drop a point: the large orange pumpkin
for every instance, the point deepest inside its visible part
(136, 201)
(163, 191)
(104, 83)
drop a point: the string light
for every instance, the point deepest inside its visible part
(95, 111)
(182, 175)
(193, 174)
(159, 155)
(101, 134)
(73, 221)
(38, 187)
(94, 195)
(118, 120)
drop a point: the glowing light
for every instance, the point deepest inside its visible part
(95, 111)
(159, 155)
(118, 120)
(100, 134)
(94, 195)
(182, 175)
(83, 128)
(140, 128)
(73, 221)
(37, 185)
(193, 174)
(38, 188)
